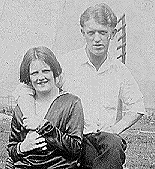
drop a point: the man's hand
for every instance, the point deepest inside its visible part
(126, 122)
(32, 141)
(109, 130)
(22, 90)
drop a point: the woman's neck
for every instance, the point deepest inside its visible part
(47, 97)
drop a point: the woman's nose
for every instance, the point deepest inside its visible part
(41, 76)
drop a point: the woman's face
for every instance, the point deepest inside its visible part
(41, 76)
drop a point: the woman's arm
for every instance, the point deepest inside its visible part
(21, 141)
(68, 142)
(14, 139)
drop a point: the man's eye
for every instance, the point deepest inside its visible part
(91, 33)
(103, 33)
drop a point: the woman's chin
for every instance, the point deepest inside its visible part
(43, 91)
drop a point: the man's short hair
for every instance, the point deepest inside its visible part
(101, 13)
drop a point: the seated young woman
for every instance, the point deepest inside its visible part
(49, 136)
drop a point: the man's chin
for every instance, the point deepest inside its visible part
(98, 52)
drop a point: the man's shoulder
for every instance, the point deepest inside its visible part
(119, 66)
(122, 70)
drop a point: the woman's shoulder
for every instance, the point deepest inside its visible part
(69, 97)
(17, 112)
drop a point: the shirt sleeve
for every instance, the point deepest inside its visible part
(131, 95)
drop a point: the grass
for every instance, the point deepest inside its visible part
(140, 139)
(4, 133)
(141, 143)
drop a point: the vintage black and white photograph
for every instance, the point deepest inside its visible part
(77, 84)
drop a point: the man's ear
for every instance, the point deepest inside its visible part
(82, 31)
(113, 34)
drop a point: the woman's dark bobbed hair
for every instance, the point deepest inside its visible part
(42, 53)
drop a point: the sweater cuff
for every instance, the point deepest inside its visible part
(18, 149)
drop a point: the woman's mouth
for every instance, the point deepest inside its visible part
(42, 82)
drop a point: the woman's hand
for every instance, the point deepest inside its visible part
(32, 141)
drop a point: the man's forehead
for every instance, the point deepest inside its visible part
(93, 25)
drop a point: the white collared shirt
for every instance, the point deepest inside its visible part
(106, 94)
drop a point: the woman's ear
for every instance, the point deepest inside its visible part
(113, 34)
(30, 84)
(59, 81)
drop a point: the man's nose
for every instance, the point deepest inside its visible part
(97, 37)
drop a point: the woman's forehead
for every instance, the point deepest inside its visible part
(38, 64)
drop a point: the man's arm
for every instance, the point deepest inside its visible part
(126, 122)
(132, 104)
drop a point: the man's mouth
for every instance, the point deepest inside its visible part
(98, 46)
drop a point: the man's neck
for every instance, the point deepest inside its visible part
(96, 60)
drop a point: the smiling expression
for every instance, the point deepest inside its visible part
(41, 76)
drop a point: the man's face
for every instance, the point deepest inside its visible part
(97, 37)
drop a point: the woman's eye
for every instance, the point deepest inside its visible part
(33, 73)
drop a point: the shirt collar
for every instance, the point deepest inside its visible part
(105, 66)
